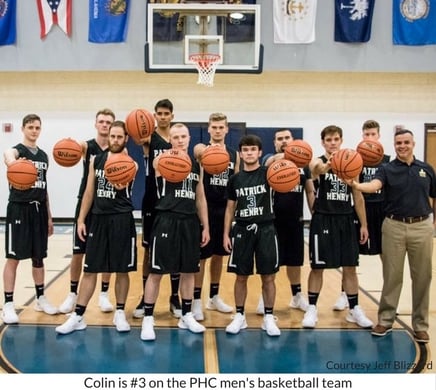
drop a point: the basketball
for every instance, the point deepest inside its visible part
(372, 152)
(140, 124)
(67, 152)
(347, 163)
(283, 175)
(215, 160)
(119, 168)
(174, 165)
(22, 174)
(299, 152)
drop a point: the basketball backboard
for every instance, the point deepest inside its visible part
(176, 31)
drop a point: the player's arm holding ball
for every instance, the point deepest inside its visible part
(10, 155)
(318, 167)
(88, 198)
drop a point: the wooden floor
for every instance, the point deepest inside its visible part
(57, 271)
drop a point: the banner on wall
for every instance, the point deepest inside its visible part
(8, 19)
(294, 21)
(353, 20)
(414, 22)
(53, 12)
(108, 21)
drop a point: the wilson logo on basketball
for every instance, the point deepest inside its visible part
(174, 164)
(116, 169)
(300, 152)
(60, 153)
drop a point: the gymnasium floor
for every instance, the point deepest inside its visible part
(335, 346)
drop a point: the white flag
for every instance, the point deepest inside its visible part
(294, 21)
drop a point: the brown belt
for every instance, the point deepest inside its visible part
(408, 219)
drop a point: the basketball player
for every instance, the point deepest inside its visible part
(111, 236)
(253, 239)
(175, 236)
(152, 147)
(103, 120)
(28, 222)
(215, 188)
(374, 204)
(332, 239)
(289, 222)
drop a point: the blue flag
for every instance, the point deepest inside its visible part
(108, 21)
(414, 22)
(8, 25)
(353, 20)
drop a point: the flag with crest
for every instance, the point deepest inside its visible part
(353, 20)
(8, 26)
(108, 21)
(414, 22)
(53, 12)
(294, 21)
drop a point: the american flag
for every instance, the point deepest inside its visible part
(54, 12)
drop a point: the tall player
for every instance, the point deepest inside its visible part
(93, 147)
(332, 239)
(374, 206)
(153, 146)
(215, 188)
(289, 222)
(28, 222)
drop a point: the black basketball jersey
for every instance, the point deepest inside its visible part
(38, 191)
(156, 147)
(93, 149)
(290, 204)
(367, 174)
(107, 199)
(332, 195)
(253, 195)
(179, 197)
(215, 186)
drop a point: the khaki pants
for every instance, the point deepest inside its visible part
(416, 239)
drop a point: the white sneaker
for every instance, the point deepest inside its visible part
(341, 303)
(216, 303)
(120, 321)
(188, 322)
(310, 317)
(175, 308)
(197, 309)
(42, 304)
(269, 325)
(67, 306)
(104, 303)
(73, 323)
(9, 315)
(357, 315)
(139, 311)
(239, 322)
(147, 330)
(299, 301)
(260, 309)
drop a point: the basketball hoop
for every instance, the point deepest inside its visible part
(206, 65)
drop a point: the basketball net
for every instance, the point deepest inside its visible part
(206, 65)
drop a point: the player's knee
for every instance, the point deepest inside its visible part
(37, 263)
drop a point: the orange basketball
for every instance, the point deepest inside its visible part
(299, 152)
(140, 124)
(174, 165)
(215, 159)
(119, 168)
(283, 175)
(22, 174)
(347, 163)
(372, 152)
(67, 152)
